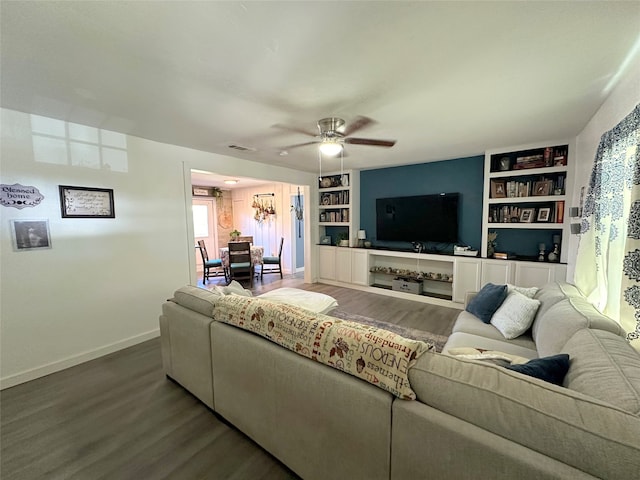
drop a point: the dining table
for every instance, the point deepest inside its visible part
(257, 252)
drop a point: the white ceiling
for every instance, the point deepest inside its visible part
(444, 79)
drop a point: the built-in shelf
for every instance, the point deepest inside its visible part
(538, 199)
(522, 225)
(423, 294)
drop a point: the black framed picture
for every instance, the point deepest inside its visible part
(86, 202)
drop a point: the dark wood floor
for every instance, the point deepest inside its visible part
(119, 417)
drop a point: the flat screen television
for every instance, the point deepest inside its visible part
(423, 218)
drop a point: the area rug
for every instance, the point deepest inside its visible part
(415, 334)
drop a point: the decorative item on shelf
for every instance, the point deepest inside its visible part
(325, 240)
(498, 189)
(491, 243)
(544, 214)
(542, 188)
(504, 164)
(367, 244)
(362, 235)
(542, 247)
(234, 235)
(554, 256)
(527, 215)
(342, 240)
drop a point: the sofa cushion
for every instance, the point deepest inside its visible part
(197, 299)
(522, 346)
(548, 295)
(314, 301)
(487, 301)
(550, 369)
(378, 356)
(558, 422)
(515, 315)
(604, 366)
(528, 292)
(558, 324)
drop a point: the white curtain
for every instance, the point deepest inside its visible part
(608, 260)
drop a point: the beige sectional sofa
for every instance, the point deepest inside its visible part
(471, 419)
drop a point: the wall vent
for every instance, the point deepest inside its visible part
(241, 148)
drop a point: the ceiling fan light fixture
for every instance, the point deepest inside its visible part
(330, 148)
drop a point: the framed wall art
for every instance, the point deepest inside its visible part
(86, 202)
(30, 234)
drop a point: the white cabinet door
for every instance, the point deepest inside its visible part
(466, 277)
(327, 262)
(343, 264)
(359, 267)
(534, 274)
(498, 272)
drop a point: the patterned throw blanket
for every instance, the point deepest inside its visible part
(379, 356)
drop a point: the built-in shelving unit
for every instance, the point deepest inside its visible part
(526, 191)
(337, 206)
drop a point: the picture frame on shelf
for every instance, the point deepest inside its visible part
(325, 240)
(527, 215)
(542, 188)
(498, 189)
(323, 216)
(544, 214)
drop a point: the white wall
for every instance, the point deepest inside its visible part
(101, 286)
(622, 100)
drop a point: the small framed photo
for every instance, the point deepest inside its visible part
(498, 189)
(86, 202)
(325, 240)
(323, 217)
(544, 214)
(527, 215)
(30, 234)
(541, 188)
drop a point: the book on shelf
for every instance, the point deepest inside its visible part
(504, 256)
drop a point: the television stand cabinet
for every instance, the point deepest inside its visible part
(446, 278)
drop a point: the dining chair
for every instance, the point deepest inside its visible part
(240, 263)
(274, 263)
(212, 267)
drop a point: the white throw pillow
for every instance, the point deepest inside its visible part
(314, 301)
(527, 292)
(515, 315)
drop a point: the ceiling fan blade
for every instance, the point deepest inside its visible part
(370, 141)
(295, 129)
(289, 147)
(359, 123)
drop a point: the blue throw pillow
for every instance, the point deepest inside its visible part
(550, 369)
(487, 301)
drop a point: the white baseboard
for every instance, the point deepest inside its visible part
(32, 374)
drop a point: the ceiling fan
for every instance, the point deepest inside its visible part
(333, 134)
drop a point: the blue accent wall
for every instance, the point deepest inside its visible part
(463, 175)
